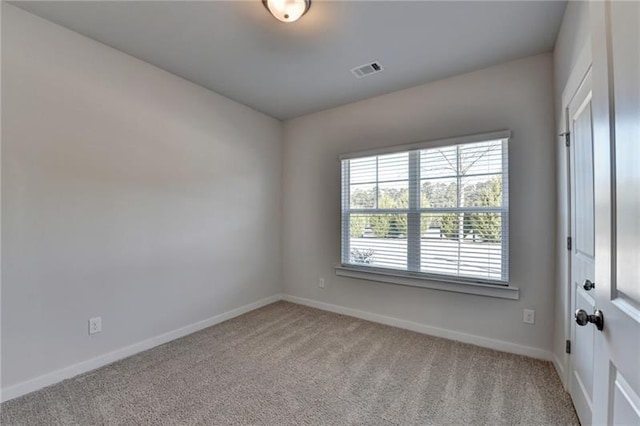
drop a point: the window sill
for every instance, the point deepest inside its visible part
(436, 283)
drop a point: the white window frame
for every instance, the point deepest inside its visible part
(413, 276)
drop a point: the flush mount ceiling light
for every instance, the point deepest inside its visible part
(287, 10)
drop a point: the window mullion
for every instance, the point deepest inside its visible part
(413, 216)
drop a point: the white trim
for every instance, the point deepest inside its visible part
(47, 379)
(482, 137)
(485, 342)
(559, 366)
(577, 75)
(455, 284)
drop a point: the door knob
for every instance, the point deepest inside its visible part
(588, 285)
(583, 318)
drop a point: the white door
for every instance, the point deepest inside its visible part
(582, 247)
(616, 120)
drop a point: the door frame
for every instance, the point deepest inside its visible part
(565, 324)
(582, 397)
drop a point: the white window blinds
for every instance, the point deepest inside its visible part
(438, 211)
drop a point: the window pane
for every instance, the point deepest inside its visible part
(438, 193)
(394, 195)
(438, 162)
(439, 244)
(362, 170)
(482, 191)
(363, 196)
(464, 244)
(358, 223)
(393, 167)
(484, 227)
(481, 158)
(379, 240)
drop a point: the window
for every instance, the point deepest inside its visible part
(436, 210)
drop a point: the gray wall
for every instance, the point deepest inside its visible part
(573, 36)
(127, 193)
(516, 96)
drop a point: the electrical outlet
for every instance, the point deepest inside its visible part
(529, 316)
(95, 325)
(321, 283)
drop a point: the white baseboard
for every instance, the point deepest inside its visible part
(40, 382)
(559, 366)
(499, 345)
(48, 379)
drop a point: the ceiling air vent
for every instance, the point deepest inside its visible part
(367, 69)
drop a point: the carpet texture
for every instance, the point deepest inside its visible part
(288, 364)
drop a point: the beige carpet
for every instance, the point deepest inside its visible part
(287, 364)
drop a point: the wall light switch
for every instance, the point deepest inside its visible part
(321, 283)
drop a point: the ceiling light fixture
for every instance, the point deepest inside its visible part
(287, 10)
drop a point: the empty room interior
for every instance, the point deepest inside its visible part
(309, 212)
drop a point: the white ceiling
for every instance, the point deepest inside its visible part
(285, 70)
